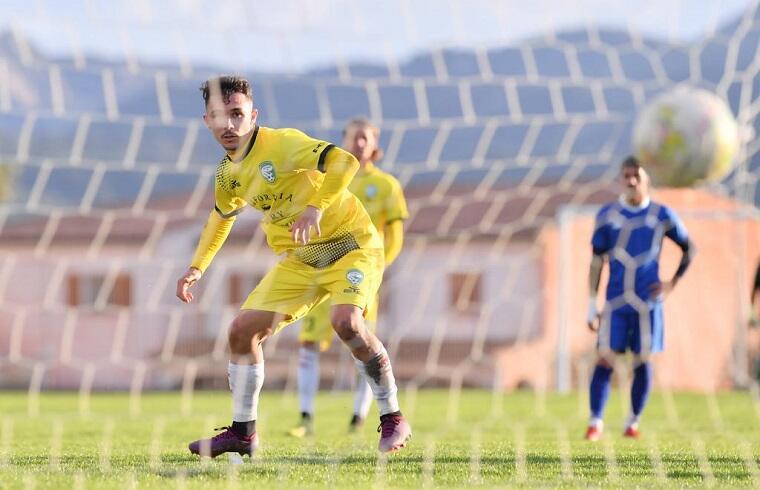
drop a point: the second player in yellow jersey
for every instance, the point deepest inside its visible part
(383, 198)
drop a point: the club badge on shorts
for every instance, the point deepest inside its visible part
(354, 277)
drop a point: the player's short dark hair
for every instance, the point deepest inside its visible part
(630, 162)
(226, 85)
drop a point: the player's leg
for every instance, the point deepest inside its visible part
(285, 294)
(352, 282)
(245, 374)
(373, 363)
(315, 336)
(648, 341)
(363, 392)
(610, 339)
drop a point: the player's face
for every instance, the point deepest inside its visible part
(361, 142)
(232, 121)
(634, 181)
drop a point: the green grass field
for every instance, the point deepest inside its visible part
(474, 439)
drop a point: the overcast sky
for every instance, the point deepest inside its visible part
(295, 34)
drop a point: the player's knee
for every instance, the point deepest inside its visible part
(246, 328)
(347, 322)
(603, 362)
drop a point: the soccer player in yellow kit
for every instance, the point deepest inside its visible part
(383, 198)
(331, 252)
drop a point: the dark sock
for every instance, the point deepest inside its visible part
(245, 429)
(599, 390)
(641, 386)
(396, 413)
(306, 416)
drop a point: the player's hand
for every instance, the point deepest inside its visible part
(593, 318)
(309, 219)
(661, 289)
(184, 283)
(593, 324)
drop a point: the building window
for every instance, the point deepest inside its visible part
(465, 291)
(239, 286)
(94, 290)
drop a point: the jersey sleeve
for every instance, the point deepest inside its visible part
(303, 151)
(600, 239)
(397, 209)
(675, 229)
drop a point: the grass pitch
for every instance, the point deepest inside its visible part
(465, 439)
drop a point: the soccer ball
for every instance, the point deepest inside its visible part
(686, 136)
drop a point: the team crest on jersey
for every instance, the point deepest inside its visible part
(355, 276)
(267, 171)
(371, 191)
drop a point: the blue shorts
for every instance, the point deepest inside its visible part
(623, 330)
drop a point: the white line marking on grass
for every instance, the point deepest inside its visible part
(106, 444)
(380, 472)
(714, 410)
(613, 473)
(208, 425)
(475, 450)
(521, 472)
(155, 443)
(80, 481)
(754, 390)
(563, 446)
(30, 482)
(745, 451)
(233, 471)
(698, 445)
(55, 445)
(428, 463)
(131, 482)
(670, 408)
(656, 458)
(5, 441)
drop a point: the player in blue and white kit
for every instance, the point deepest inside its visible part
(629, 235)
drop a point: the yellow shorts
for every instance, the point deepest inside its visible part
(316, 326)
(293, 288)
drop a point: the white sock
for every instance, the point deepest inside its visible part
(379, 375)
(308, 378)
(362, 397)
(632, 421)
(596, 422)
(245, 381)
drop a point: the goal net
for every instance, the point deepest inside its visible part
(505, 147)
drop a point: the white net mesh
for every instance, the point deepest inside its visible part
(502, 150)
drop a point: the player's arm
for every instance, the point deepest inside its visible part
(394, 240)
(340, 167)
(600, 247)
(215, 232)
(755, 299)
(677, 233)
(397, 212)
(594, 277)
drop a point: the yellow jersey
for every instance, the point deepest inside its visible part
(281, 171)
(381, 195)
